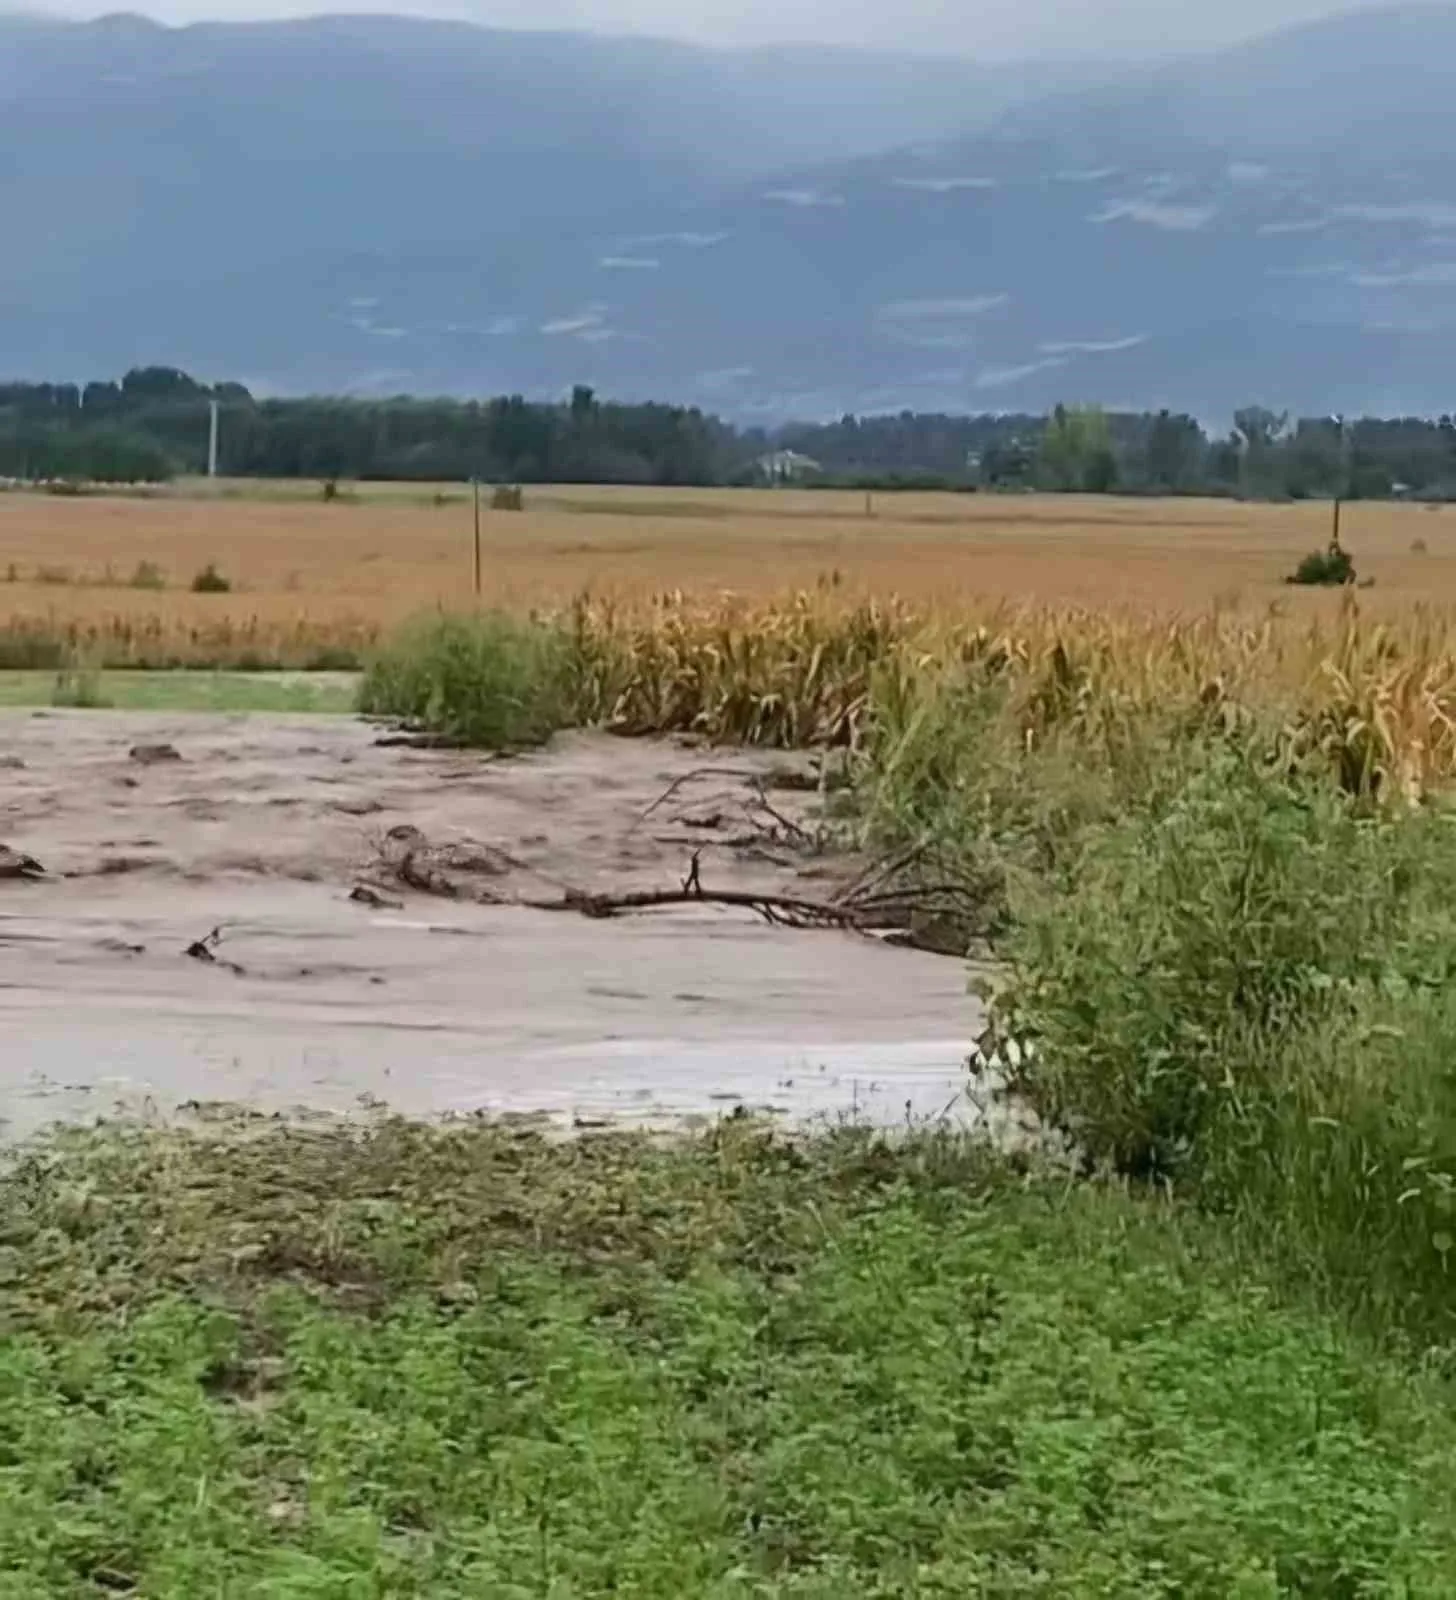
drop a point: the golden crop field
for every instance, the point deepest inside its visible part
(381, 553)
(1101, 609)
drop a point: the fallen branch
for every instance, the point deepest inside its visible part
(782, 909)
(15, 865)
(205, 949)
(682, 782)
(366, 894)
(937, 916)
(420, 741)
(793, 832)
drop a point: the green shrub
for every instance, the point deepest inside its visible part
(1330, 568)
(1244, 993)
(78, 688)
(211, 581)
(508, 497)
(492, 680)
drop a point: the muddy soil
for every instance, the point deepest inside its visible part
(156, 830)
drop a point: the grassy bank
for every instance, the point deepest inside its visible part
(445, 1362)
(179, 691)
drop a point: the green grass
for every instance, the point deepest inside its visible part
(278, 1361)
(492, 680)
(179, 691)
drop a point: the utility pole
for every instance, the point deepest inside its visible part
(475, 487)
(212, 440)
(1342, 481)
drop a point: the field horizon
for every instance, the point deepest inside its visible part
(362, 563)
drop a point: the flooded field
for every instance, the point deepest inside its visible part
(332, 985)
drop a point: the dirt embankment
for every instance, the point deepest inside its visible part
(155, 831)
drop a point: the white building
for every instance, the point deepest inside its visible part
(787, 466)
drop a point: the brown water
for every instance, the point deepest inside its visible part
(265, 824)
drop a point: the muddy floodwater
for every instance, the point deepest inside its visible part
(156, 830)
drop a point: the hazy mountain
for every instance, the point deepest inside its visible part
(393, 204)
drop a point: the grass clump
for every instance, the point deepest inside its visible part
(27, 646)
(211, 581)
(77, 687)
(148, 575)
(492, 680)
(463, 1361)
(1329, 568)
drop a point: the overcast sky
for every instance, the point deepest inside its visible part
(979, 27)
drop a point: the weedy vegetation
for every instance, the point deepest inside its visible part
(78, 687)
(494, 680)
(1329, 568)
(211, 581)
(149, 576)
(466, 1360)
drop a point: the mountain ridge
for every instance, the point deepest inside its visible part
(1189, 233)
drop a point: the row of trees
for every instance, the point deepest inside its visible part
(154, 423)
(1084, 449)
(52, 430)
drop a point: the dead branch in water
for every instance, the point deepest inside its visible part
(767, 822)
(205, 950)
(682, 782)
(927, 916)
(420, 741)
(780, 909)
(15, 864)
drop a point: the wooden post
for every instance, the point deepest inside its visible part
(475, 488)
(1342, 484)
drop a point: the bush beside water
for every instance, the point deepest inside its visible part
(495, 680)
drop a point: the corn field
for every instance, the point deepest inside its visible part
(1374, 698)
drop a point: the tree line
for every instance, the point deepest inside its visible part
(153, 424)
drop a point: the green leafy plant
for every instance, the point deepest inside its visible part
(491, 680)
(78, 687)
(1328, 568)
(211, 581)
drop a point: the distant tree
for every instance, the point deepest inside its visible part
(1174, 452)
(1259, 432)
(1259, 427)
(101, 399)
(1076, 451)
(1007, 465)
(1099, 475)
(159, 383)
